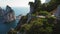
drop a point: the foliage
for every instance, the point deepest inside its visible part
(31, 3)
(38, 26)
(44, 13)
(53, 4)
(37, 5)
(12, 32)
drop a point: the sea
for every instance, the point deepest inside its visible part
(5, 27)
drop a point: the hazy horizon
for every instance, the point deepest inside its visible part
(16, 3)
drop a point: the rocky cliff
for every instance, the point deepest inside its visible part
(7, 14)
(1, 12)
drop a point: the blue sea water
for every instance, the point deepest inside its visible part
(4, 28)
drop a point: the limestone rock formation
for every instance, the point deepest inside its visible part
(9, 14)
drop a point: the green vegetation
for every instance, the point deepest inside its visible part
(46, 6)
(40, 25)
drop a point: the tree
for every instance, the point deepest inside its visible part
(39, 26)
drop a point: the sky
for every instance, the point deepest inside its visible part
(16, 3)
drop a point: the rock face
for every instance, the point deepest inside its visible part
(7, 14)
(57, 13)
(1, 15)
(1, 11)
(31, 11)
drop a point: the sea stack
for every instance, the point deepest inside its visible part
(9, 14)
